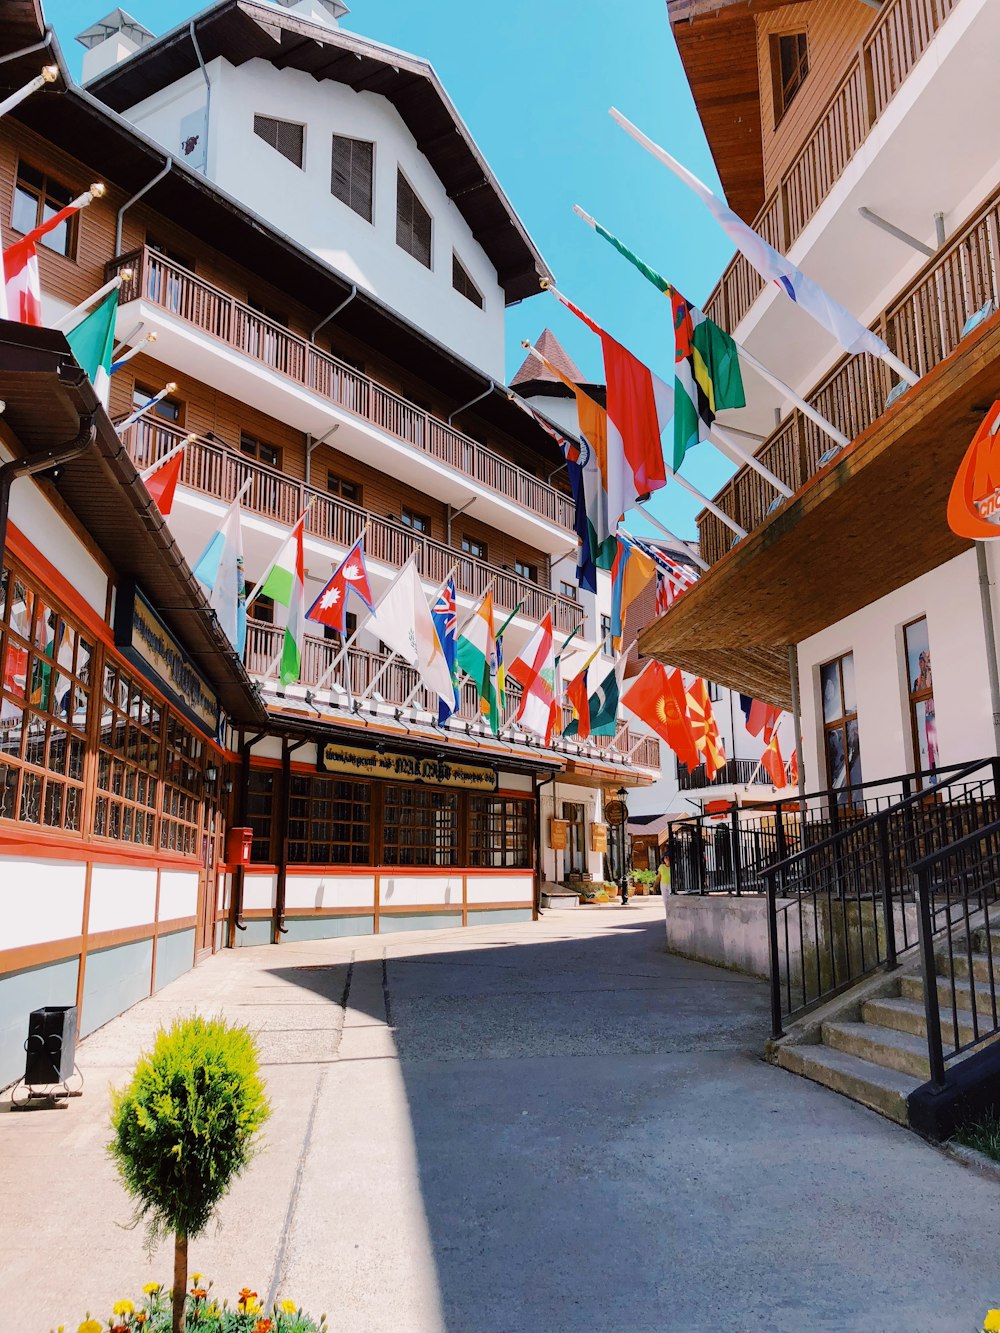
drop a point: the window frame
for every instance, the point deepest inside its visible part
(782, 96)
(915, 697)
(841, 724)
(348, 202)
(444, 846)
(313, 801)
(458, 268)
(524, 570)
(415, 521)
(401, 178)
(42, 197)
(149, 394)
(514, 848)
(259, 444)
(281, 121)
(481, 551)
(335, 484)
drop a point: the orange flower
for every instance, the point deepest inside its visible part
(199, 1293)
(263, 1326)
(245, 1292)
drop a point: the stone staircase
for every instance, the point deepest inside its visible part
(874, 1049)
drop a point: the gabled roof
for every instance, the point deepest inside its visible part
(552, 349)
(242, 30)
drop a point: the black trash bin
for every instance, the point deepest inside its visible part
(51, 1045)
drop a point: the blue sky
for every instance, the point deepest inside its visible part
(534, 82)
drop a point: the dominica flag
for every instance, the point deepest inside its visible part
(707, 375)
(92, 342)
(285, 582)
(534, 669)
(476, 655)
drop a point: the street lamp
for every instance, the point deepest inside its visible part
(622, 794)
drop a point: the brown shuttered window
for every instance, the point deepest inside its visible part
(461, 281)
(413, 222)
(789, 67)
(352, 174)
(284, 135)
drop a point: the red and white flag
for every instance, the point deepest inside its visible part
(22, 288)
(161, 478)
(351, 575)
(534, 669)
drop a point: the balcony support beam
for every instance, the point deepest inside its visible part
(891, 229)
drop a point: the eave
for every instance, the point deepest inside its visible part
(870, 522)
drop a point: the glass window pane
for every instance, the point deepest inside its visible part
(830, 682)
(847, 670)
(835, 765)
(918, 657)
(854, 752)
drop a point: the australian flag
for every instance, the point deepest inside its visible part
(444, 613)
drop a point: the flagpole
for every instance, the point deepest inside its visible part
(693, 183)
(679, 587)
(72, 317)
(388, 661)
(49, 74)
(695, 556)
(146, 473)
(141, 411)
(134, 351)
(420, 684)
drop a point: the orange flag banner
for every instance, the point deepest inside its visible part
(773, 764)
(656, 696)
(705, 728)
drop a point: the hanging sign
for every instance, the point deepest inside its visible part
(143, 638)
(336, 758)
(615, 812)
(558, 834)
(974, 502)
(598, 837)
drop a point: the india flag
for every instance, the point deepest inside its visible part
(476, 654)
(92, 342)
(285, 582)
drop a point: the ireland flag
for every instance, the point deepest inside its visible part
(285, 582)
(92, 342)
(476, 655)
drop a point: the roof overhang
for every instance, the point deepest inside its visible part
(871, 521)
(46, 394)
(242, 30)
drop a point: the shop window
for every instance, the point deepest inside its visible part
(260, 814)
(347, 490)
(182, 788)
(920, 688)
(463, 283)
(607, 639)
(128, 760)
(500, 833)
(37, 198)
(789, 67)
(842, 742)
(418, 522)
(329, 822)
(568, 590)
(352, 174)
(284, 135)
(413, 222)
(472, 546)
(526, 571)
(420, 827)
(45, 697)
(260, 450)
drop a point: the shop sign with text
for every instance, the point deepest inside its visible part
(395, 767)
(142, 638)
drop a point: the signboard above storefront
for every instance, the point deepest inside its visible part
(558, 834)
(598, 837)
(396, 767)
(142, 638)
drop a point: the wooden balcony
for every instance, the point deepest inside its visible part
(734, 772)
(898, 37)
(213, 469)
(162, 282)
(360, 668)
(923, 326)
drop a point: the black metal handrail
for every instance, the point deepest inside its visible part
(948, 881)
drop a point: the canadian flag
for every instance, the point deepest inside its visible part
(330, 607)
(22, 288)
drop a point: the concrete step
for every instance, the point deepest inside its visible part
(883, 1090)
(907, 1015)
(980, 966)
(912, 988)
(900, 1051)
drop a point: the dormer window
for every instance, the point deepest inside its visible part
(461, 281)
(789, 67)
(413, 222)
(352, 174)
(284, 135)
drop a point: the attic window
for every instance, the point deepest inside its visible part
(789, 67)
(461, 281)
(284, 135)
(351, 174)
(413, 222)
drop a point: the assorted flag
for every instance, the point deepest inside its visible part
(705, 728)
(20, 267)
(603, 704)
(657, 697)
(760, 718)
(476, 654)
(404, 623)
(161, 478)
(535, 671)
(707, 376)
(444, 613)
(351, 575)
(285, 583)
(633, 569)
(773, 764)
(220, 572)
(92, 342)
(579, 700)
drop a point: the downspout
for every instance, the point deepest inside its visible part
(538, 840)
(282, 880)
(208, 85)
(793, 672)
(242, 800)
(334, 313)
(164, 171)
(473, 401)
(28, 467)
(986, 595)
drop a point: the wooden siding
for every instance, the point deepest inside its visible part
(834, 32)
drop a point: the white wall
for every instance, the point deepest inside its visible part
(949, 597)
(298, 200)
(555, 865)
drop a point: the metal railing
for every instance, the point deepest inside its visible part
(359, 668)
(843, 906)
(898, 37)
(219, 471)
(734, 772)
(175, 289)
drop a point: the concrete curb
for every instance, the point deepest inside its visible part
(986, 1166)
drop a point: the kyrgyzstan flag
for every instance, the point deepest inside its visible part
(20, 267)
(351, 575)
(656, 696)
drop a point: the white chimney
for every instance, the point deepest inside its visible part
(326, 12)
(111, 40)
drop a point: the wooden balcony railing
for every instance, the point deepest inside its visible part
(895, 42)
(164, 283)
(360, 668)
(922, 326)
(216, 470)
(734, 772)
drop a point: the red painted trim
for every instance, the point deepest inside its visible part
(47, 845)
(23, 549)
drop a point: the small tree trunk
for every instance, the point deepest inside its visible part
(180, 1281)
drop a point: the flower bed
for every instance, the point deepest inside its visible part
(204, 1312)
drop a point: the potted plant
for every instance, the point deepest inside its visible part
(184, 1128)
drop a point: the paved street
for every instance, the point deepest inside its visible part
(551, 1128)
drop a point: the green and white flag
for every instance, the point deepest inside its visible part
(603, 704)
(92, 342)
(285, 583)
(476, 655)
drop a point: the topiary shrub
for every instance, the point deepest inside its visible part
(184, 1129)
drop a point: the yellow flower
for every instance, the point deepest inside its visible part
(196, 1279)
(123, 1307)
(991, 1324)
(90, 1326)
(288, 1307)
(151, 1288)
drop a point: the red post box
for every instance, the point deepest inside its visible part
(238, 844)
